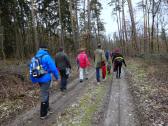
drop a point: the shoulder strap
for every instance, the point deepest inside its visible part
(40, 57)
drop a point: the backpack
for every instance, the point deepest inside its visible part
(81, 59)
(36, 68)
(119, 59)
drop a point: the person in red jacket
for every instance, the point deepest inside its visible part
(83, 63)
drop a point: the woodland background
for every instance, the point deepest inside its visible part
(24, 24)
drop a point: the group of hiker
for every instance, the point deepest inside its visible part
(43, 67)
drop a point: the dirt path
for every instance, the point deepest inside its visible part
(58, 103)
(120, 109)
(118, 106)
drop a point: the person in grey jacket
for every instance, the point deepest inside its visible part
(99, 59)
(63, 65)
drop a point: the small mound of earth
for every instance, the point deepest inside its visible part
(16, 94)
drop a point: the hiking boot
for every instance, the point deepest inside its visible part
(81, 81)
(86, 78)
(43, 117)
(98, 83)
(43, 110)
(50, 111)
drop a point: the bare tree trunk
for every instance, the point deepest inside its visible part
(77, 25)
(2, 39)
(61, 24)
(96, 36)
(98, 31)
(2, 42)
(34, 25)
(73, 23)
(120, 23)
(154, 11)
(145, 25)
(166, 43)
(149, 35)
(89, 23)
(133, 25)
(84, 13)
(152, 31)
(124, 26)
(158, 47)
(122, 41)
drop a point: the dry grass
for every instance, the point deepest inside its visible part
(149, 84)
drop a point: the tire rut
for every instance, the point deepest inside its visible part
(120, 111)
(58, 103)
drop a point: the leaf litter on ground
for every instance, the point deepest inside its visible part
(150, 91)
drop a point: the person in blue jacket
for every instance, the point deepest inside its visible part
(107, 55)
(44, 81)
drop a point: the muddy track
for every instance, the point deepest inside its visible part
(58, 103)
(99, 117)
(121, 110)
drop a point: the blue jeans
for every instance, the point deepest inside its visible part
(44, 91)
(98, 74)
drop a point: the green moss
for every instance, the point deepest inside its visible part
(92, 107)
(80, 113)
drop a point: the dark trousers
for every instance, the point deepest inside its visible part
(44, 92)
(104, 71)
(98, 74)
(118, 69)
(64, 78)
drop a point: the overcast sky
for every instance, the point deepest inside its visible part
(110, 20)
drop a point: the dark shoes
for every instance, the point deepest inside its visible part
(118, 77)
(43, 117)
(63, 89)
(43, 110)
(81, 80)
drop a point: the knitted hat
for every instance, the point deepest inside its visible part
(99, 45)
(116, 50)
(43, 46)
(82, 49)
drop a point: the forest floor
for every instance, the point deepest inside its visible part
(148, 80)
(139, 98)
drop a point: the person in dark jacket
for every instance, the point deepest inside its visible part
(45, 80)
(118, 59)
(63, 64)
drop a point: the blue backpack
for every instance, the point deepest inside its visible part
(36, 67)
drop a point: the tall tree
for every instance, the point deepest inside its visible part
(89, 22)
(61, 24)
(155, 9)
(71, 5)
(77, 24)
(124, 27)
(2, 38)
(134, 34)
(34, 24)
